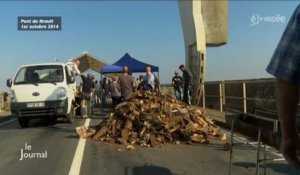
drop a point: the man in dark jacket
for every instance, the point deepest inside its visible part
(87, 89)
(187, 82)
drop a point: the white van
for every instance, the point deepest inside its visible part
(43, 91)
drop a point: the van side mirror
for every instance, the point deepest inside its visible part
(8, 82)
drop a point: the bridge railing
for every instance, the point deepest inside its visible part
(1, 101)
(248, 96)
(253, 96)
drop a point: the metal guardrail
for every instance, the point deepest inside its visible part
(222, 97)
(275, 122)
(242, 84)
(259, 160)
(1, 101)
(220, 94)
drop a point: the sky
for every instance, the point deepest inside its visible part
(148, 30)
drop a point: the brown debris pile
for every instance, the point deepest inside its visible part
(150, 119)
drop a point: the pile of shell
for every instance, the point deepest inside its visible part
(149, 119)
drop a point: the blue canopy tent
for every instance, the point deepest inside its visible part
(111, 69)
(133, 65)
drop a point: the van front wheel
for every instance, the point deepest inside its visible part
(70, 117)
(23, 122)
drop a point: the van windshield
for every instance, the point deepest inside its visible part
(39, 74)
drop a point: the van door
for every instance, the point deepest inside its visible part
(70, 77)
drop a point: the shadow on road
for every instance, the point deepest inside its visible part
(283, 168)
(148, 170)
(72, 136)
(218, 145)
(59, 125)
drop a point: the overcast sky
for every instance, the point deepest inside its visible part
(148, 30)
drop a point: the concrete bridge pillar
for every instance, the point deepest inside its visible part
(204, 24)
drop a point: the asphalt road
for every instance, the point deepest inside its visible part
(61, 144)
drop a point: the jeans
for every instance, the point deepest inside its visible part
(178, 93)
(103, 99)
(85, 107)
(187, 94)
(148, 87)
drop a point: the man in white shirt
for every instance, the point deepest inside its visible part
(74, 65)
(149, 80)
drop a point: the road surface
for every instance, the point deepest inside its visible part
(66, 154)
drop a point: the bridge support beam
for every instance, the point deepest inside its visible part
(204, 23)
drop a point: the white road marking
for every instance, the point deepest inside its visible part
(76, 164)
(7, 122)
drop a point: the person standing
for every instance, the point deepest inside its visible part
(126, 83)
(149, 80)
(73, 70)
(114, 91)
(97, 92)
(187, 82)
(74, 66)
(141, 83)
(177, 82)
(108, 97)
(156, 84)
(136, 84)
(87, 89)
(284, 65)
(103, 92)
(93, 94)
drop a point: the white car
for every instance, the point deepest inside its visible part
(43, 91)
